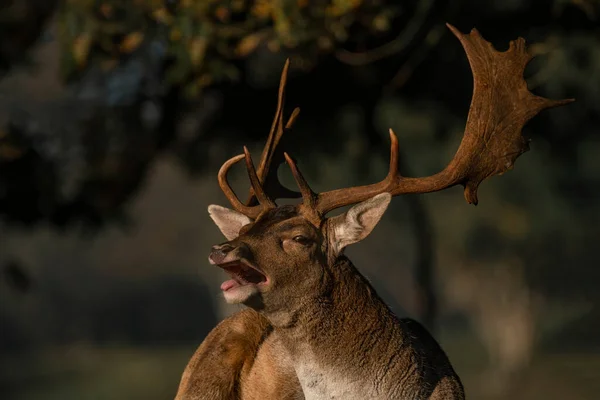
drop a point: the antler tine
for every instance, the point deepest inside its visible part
(394, 154)
(308, 195)
(251, 212)
(331, 200)
(269, 155)
(262, 197)
(492, 141)
(272, 184)
(292, 118)
(276, 131)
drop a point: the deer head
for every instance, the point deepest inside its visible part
(275, 254)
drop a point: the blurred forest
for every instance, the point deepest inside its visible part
(116, 115)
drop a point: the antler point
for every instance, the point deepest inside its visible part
(471, 192)
(564, 101)
(454, 31)
(292, 118)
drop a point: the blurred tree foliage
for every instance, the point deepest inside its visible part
(137, 70)
(201, 38)
(21, 24)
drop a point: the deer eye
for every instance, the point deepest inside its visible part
(301, 239)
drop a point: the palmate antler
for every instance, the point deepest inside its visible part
(500, 107)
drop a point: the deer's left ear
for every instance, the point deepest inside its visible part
(356, 224)
(229, 221)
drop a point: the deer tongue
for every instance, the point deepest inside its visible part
(228, 284)
(241, 275)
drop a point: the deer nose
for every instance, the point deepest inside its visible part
(219, 252)
(225, 247)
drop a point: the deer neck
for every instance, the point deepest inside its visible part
(341, 295)
(338, 335)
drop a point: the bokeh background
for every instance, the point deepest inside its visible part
(115, 117)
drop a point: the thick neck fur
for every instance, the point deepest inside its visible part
(343, 299)
(343, 338)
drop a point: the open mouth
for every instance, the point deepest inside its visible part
(241, 274)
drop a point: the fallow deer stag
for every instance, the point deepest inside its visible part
(314, 327)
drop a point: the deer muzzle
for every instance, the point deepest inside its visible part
(234, 260)
(226, 252)
(220, 253)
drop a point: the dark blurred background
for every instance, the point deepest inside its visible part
(115, 117)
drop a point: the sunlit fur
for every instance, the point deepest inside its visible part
(317, 330)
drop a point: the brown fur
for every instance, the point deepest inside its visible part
(237, 360)
(319, 328)
(398, 356)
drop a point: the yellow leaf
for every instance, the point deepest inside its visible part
(262, 9)
(197, 50)
(381, 23)
(339, 8)
(248, 44)
(81, 48)
(131, 42)
(162, 15)
(222, 13)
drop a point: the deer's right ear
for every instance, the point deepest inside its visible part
(356, 224)
(229, 221)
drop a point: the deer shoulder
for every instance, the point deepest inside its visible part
(239, 359)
